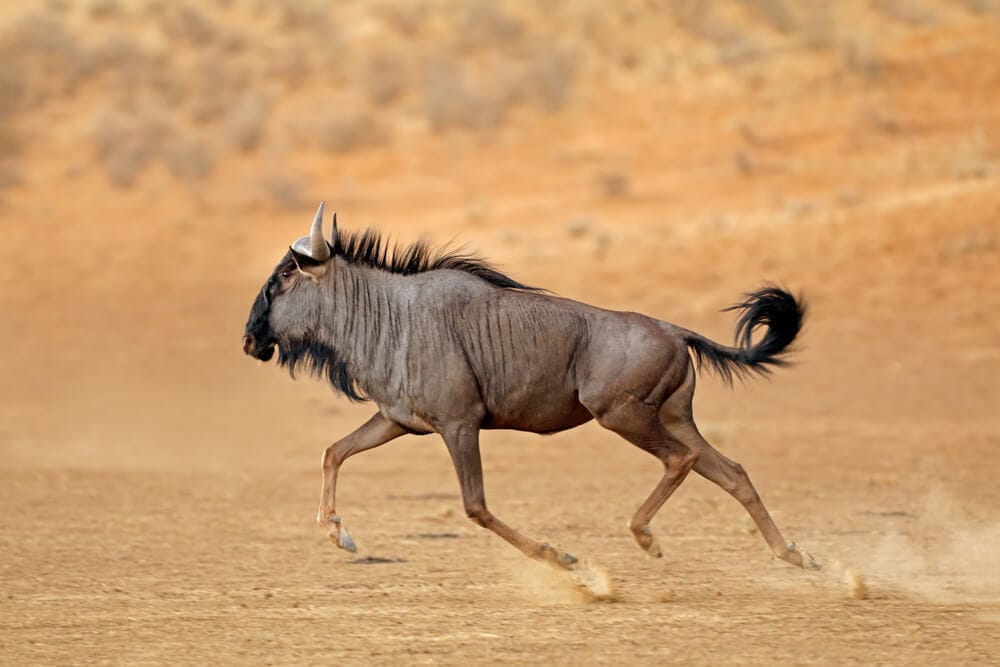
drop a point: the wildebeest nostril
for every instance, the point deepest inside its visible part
(247, 343)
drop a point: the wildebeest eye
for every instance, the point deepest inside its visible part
(286, 274)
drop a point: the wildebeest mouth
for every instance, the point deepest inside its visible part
(251, 349)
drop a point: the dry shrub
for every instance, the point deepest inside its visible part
(405, 17)
(246, 122)
(10, 175)
(384, 77)
(188, 158)
(579, 227)
(103, 9)
(290, 65)
(483, 23)
(125, 163)
(549, 75)
(186, 22)
(774, 13)
(220, 81)
(480, 97)
(346, 124)
(816, 25)
(38, 42)
(695, 17)
(12, 87)
(982, 6)
(861, 57)
(450, 102)
(127, 144)
(612, 183)
(128, 64)
(304, 16)
(905, 12)
(12, 92)
(10, 148)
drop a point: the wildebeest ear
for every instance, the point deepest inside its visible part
(307, 265)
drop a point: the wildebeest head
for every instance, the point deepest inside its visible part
(287, 308)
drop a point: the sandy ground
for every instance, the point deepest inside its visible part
(158, 488)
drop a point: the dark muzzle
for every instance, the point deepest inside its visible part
(251, 348)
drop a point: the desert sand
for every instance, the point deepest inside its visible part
(158, 488)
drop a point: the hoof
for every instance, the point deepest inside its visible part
(810, 563)
(339, 535)
(644, 538)
(345, 542)
(803, 559)
(559, 559)
(567, 560)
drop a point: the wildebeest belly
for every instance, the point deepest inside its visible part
(539, 408)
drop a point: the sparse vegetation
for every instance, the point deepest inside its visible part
(451, 102)
(183, 85)
(246, 122)
(384, 77)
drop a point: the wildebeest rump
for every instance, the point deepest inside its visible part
(444, 343)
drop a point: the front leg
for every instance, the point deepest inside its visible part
(462, 441)
(376, 431)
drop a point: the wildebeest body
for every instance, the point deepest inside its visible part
(447, 344)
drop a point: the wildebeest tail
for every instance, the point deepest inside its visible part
(771, 307)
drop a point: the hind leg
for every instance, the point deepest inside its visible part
(729, 475)
(638, 423)
(734, 480)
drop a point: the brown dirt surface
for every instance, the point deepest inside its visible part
(158, 488)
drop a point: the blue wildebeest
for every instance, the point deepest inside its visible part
(444, 343)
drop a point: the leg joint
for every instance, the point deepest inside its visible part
(741, 486)
(678, 461)
(330, 457)
(479, 515)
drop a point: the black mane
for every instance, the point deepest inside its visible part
(370, 248)
(320, 359)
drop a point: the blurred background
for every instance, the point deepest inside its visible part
(156, 158)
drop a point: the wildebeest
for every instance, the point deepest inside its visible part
(444, 343)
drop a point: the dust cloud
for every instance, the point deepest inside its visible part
(947, 554)
(544, 584)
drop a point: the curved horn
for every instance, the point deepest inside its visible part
(319, 250)
(333, 232)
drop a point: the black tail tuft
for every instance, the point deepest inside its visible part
(770, 306)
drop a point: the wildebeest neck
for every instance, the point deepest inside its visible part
(359, 332)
